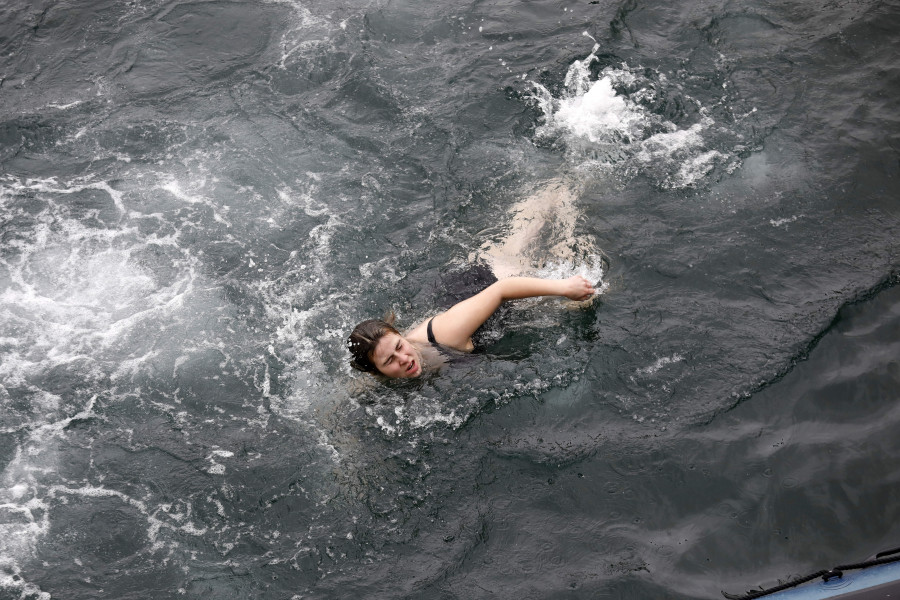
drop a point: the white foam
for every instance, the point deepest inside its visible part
(784, 222)
(216, 469)
(76, 297)
(306, 33)
(603, 130)
(668, 143)
(50, 185)
(73, 291)
(12, 580)
(22, 492)
(309, 325)
(65, 106)
(176, 518)
(596, 113)
(419, 412)
(694, 169)
(591, 268)
(174, 187)
(660, 363)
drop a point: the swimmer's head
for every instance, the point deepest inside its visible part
(364, 339)
(378, 348)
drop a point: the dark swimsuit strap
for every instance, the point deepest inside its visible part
(431, 333)
(433, 341)
(451, 354)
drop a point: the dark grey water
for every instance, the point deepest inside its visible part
(198, 201)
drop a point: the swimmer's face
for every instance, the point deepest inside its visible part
(396, 357)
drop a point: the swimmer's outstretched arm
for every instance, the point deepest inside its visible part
(455, 326)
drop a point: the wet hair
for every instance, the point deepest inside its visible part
(364, 339)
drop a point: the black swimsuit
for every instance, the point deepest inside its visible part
(457, 285)
(452, 355)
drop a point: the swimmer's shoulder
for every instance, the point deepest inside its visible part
(419, 333)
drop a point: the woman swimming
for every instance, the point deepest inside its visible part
(378, 347)
(548, 214)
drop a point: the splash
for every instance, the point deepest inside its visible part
(592, 267)
(609, 123)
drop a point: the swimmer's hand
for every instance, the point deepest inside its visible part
(577, 288)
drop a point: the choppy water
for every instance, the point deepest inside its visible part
(199, 200)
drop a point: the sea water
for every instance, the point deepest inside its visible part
(198, 200)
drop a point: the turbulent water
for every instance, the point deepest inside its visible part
(199, 199)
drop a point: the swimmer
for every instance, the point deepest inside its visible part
(379, 348)
(541, 229)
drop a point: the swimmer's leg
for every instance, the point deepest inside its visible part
(542, 228)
